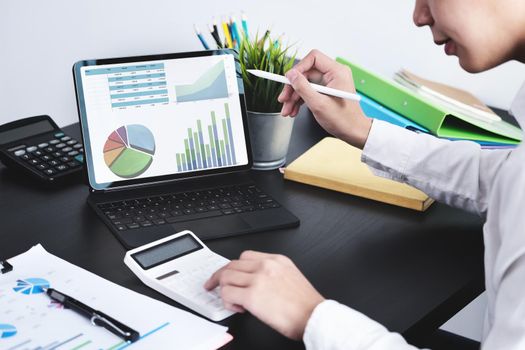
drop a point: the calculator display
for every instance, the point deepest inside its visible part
(167, 251)
(25, 131)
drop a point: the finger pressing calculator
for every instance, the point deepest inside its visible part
(178, 266)
(37, 146)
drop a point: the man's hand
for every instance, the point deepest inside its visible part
(341, 118)
(271, 288)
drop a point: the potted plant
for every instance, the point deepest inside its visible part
(269, 132)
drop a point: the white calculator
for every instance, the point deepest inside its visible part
(177, 266)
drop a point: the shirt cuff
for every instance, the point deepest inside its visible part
(377, 153)
(336, 326)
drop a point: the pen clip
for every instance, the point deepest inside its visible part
(98, 320)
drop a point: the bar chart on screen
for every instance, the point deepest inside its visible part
(208, 146)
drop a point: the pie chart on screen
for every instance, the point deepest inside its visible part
(129, 150)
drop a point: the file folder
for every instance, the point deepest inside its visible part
(440, 122)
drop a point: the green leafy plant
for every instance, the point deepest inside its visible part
(269, 55)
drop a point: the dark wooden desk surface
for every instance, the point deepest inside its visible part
(410, 271)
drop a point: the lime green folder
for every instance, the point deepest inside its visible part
(426, 113)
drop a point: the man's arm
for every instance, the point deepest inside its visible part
(458, 173)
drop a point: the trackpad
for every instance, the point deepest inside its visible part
(214, 227)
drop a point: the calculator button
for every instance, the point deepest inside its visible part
(31, 149)
(65, 138)
(80, 158)
(46, 158)
(53, 142)
(67, 149)
(73, 164)
(57, 154)
(26, 156)
(20, 152)
(61, 167)
(65, 159)
(61, 145)
(121, 227)
(81, 150)
(59, 135)
(72, 153)
(38, 153)
(77, 146)
(34, 161)
(49, 149)
(71, 142)
(132, 226)
(43, 145)
(53, 162)
(42, 166)
(50, 172)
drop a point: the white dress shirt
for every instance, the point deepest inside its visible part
(490, 183)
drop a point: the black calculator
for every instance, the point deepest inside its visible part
(37, 146)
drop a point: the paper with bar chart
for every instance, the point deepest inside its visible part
(198, 127)
(29, 320)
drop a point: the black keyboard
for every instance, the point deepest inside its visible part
(184, 206)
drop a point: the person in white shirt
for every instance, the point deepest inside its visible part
(491, 183)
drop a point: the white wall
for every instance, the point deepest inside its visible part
(40, 40)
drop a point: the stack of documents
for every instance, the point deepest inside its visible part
(437, 108)
(29, 319)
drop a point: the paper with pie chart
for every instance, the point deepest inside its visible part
(129, 150)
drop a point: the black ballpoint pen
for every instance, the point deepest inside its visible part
(97, 318)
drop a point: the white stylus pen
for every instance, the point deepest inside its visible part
(319, 88)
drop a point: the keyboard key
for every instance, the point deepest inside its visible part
(56, 154)
(38, 153)
(146, 224)
(26, 156)
(159, 221)
(123, 221)
(71, 142)
(59, 135)
(195, 216)
(20, 152)
(65, 138)
(53, 142)
(77, 146)
(65, 159)
(60, 145)
(121, 227)
(31, 149)
(49, 149)
(72, 153)
(67, 149)
(34, 161)
(43, 145)
(73, 164)
(133, 226)
(46, 158)
(61, 167)
(42, 166)
(50, 172)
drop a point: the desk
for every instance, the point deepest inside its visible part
(410, 271)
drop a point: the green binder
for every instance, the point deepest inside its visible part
(426, 113)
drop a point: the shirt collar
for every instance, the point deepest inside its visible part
(517, 108)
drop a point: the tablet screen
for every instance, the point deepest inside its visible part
(151, 119)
